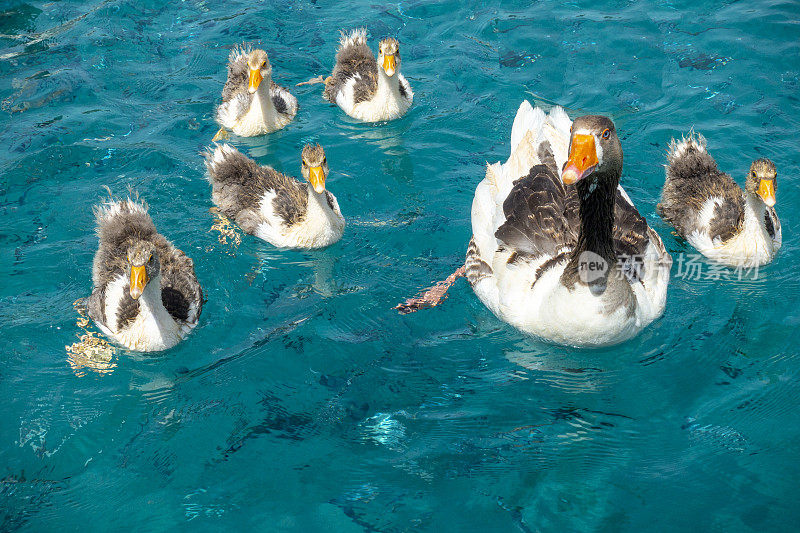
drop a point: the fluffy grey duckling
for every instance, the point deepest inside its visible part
(145, 294)
(272, 206)
(708, 209)
(368, 89)
(251, 103)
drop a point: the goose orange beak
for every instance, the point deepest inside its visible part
(317, 178)
(389, 65)
(766, 190)
(582, 159)
(255, 79)
(138, 281)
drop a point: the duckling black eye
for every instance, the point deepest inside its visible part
(606, 133)
(324, 160)
(753, 173)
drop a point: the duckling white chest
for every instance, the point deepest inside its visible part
(321, 225)
(751, 246)
(151, 329)
(388, 103)
(261, 117)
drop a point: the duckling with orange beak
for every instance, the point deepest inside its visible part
(146, 296)
(251, 103)
(729, 226)
(366, 88)
(272, 206)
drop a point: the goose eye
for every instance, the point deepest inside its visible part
(606, 133)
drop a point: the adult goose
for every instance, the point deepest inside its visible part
(275, 207)
(730, 226)
(251, 103)
(146, 296)
(368, 89)
(558, 250)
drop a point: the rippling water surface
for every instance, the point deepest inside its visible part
(302, 401)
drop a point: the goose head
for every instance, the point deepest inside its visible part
(389, 56)
(314, 166)
(143, 266)
(258, 63)
(762, 181)
(594, 152)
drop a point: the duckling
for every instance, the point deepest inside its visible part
(367, 89)
(146, 296)
(251, 103)
(710, 211)
(275, 207)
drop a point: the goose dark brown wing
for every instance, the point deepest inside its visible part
(541, 213)
(542, 217)
(630, 236)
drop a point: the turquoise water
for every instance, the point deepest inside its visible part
(302, 401)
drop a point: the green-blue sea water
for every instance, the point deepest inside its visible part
(303, 401)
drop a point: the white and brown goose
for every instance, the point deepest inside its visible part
(275, 207)
(146, 296)
(366, 88)
(730, 226)
(558, 250)
(251, 103)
